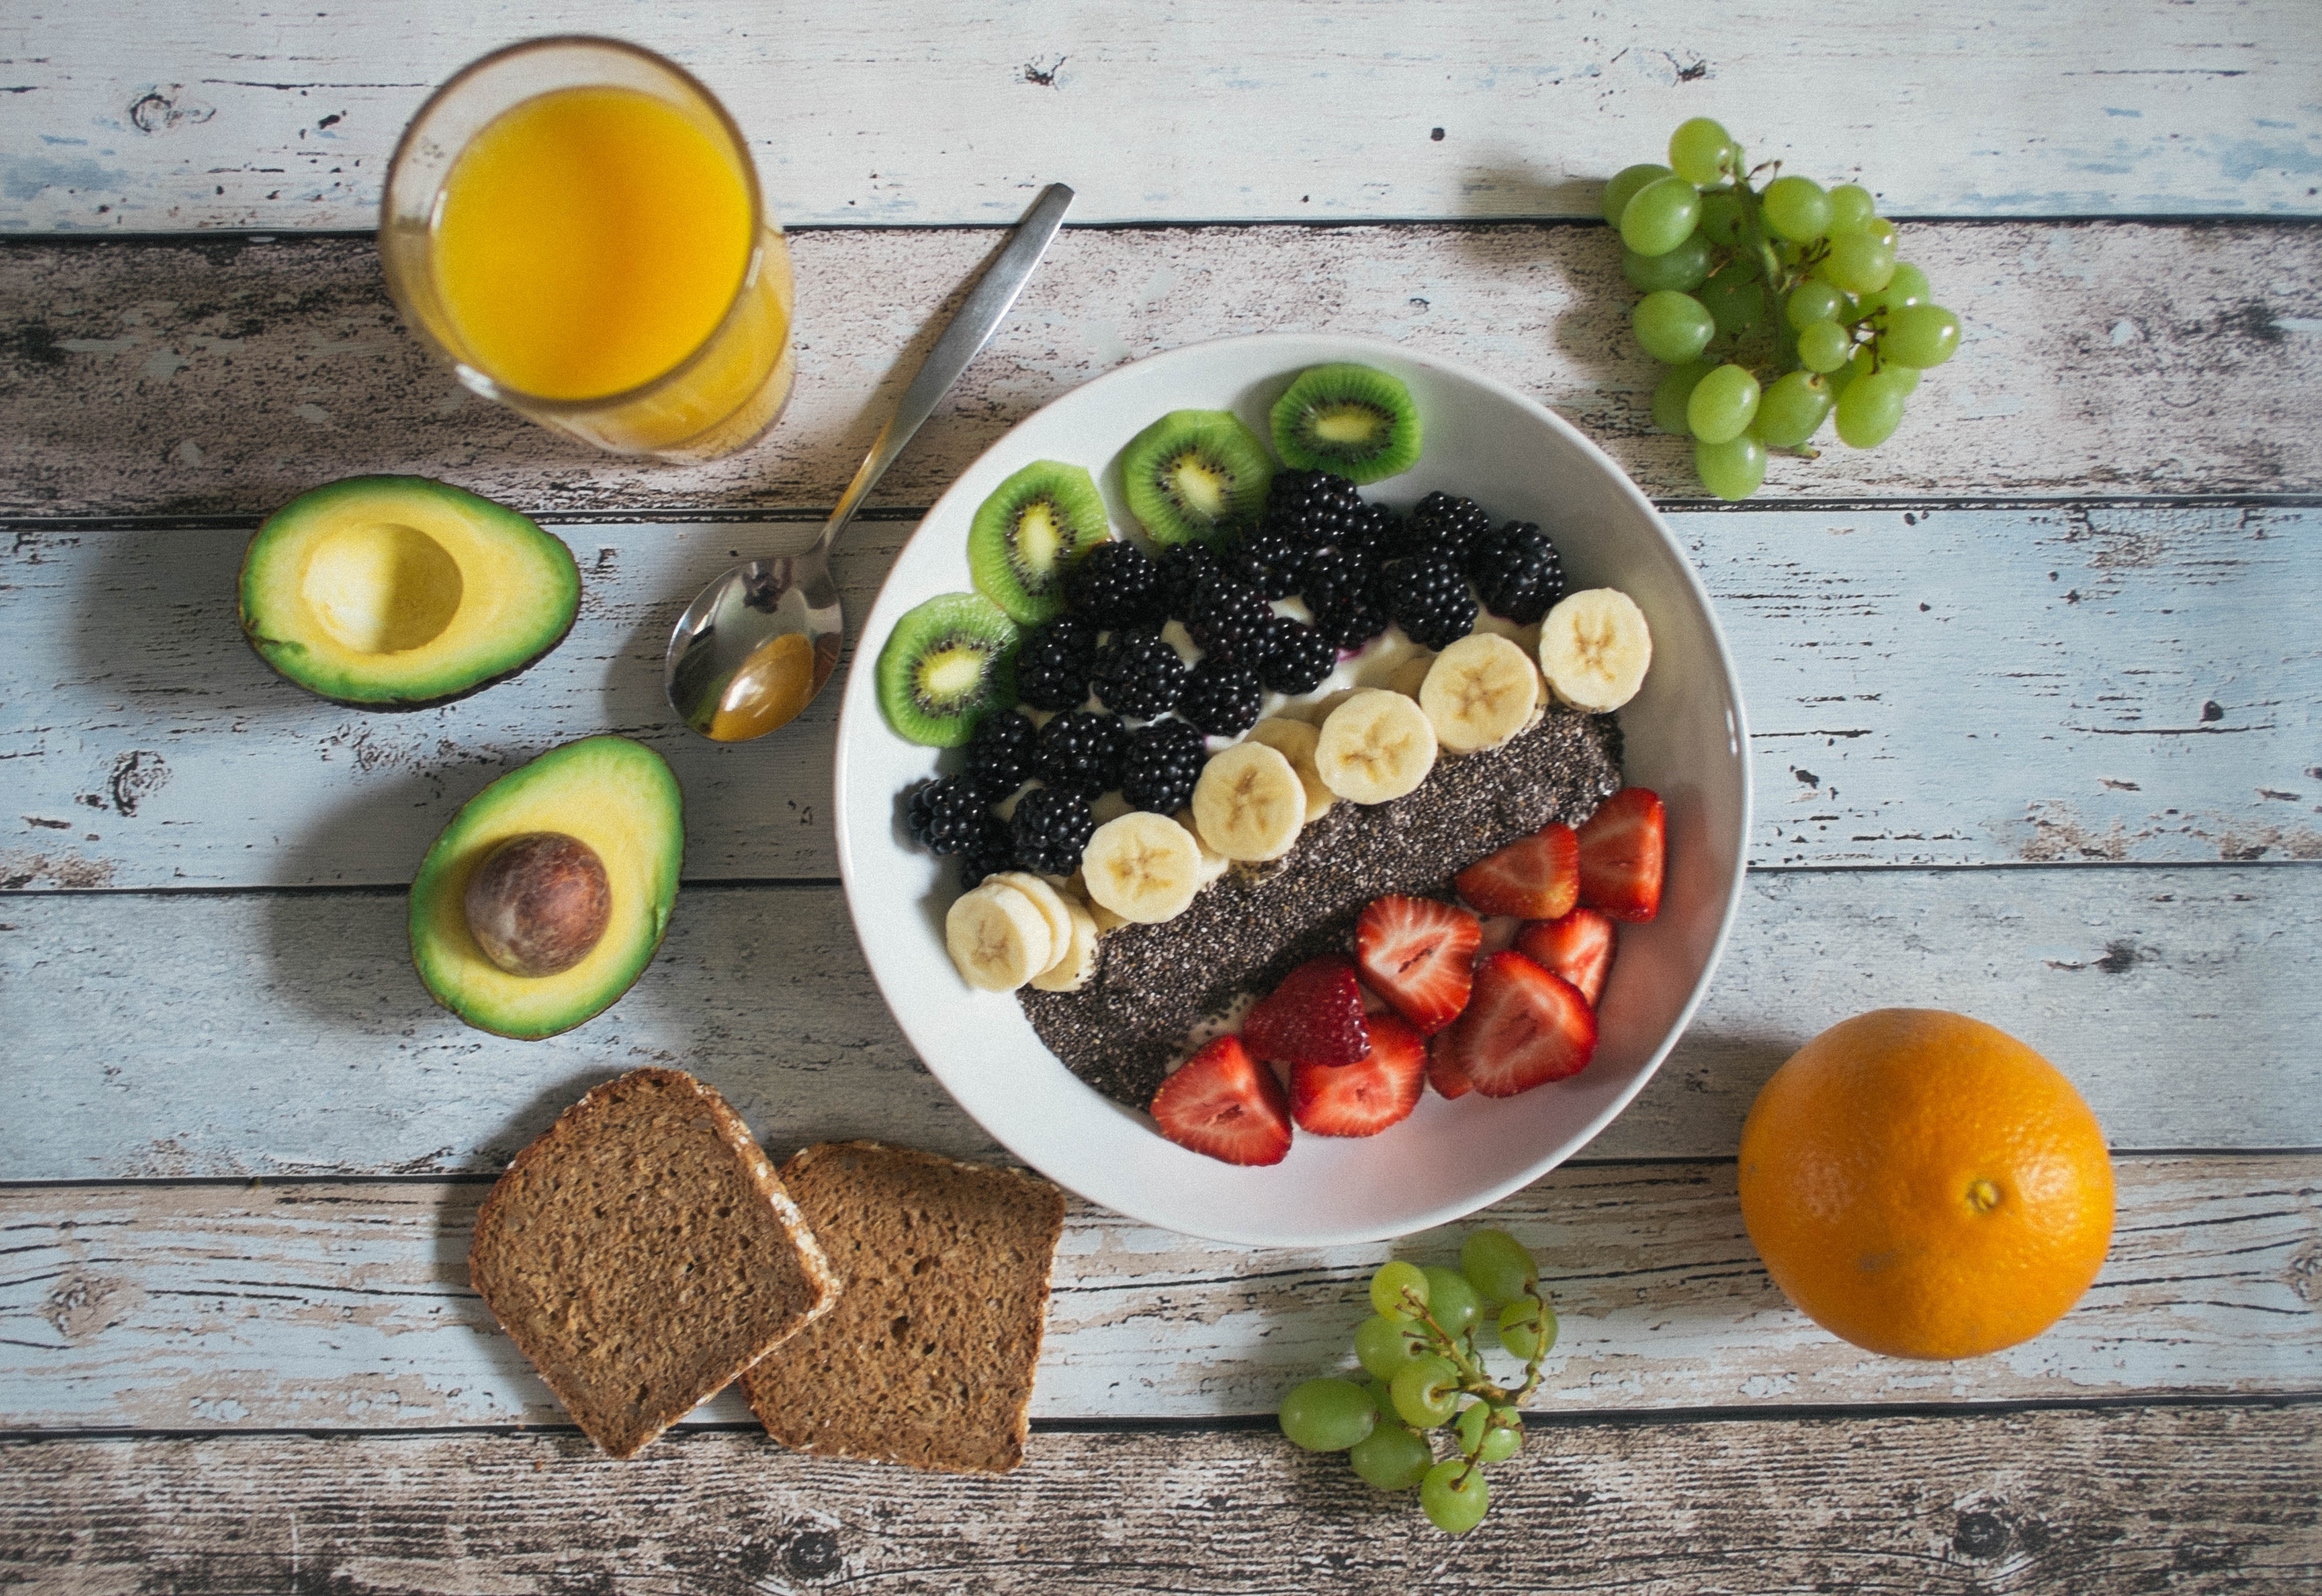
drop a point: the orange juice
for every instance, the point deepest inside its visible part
(588, 240)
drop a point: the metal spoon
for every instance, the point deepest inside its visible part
(757, 646)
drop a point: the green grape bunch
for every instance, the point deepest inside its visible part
(1427, 1378)
(1775, 308)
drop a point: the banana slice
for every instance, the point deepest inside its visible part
(1321, 708)
(1249, 804)
(1409, 675)
(1483, 690)
(998, 937)
(1073, 968)
(1213, 864)
(1376, 745)
(1596, 648)
(1048, 901)
(1295, 741)
(1143, 867)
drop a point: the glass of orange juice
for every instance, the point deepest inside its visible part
(576, 225)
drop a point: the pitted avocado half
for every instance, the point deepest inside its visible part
(400, 592)
(616, 797)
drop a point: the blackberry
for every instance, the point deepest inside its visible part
(990, 850)
(1380, 535)
(945, 814)
(1353, 623)
(1428, 598)
(1516, 572)
(1115, 585)
(1052, 668)
(1229, 621)
(1221, 699)
(1452, 524)
(1050, 829)
(1184, 569)
(1297, 657)
(1266, 558)
(1004, 755)
(1081, 752)
(1314, 508)
(1332, 577)
(1139, 674)
(1165, 759)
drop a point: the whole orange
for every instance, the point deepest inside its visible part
(1926, 1186)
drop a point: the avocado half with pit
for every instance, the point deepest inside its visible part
(401, 592)
(545, 897)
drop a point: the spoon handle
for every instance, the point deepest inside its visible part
(971, 327)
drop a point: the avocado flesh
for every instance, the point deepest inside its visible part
(399, 592)
(617, 796)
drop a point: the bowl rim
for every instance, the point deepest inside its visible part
(1324, 347)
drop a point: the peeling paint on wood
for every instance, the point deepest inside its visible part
(265, 1033)
(180, 379)
(1951, 1504)
(328, 1306)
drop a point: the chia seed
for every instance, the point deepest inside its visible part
(1157, 985)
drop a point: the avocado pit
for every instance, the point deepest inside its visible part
(538, 903)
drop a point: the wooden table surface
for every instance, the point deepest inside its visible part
(2033, 691)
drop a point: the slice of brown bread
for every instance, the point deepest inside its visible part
(642, 1253)
(928, 1357)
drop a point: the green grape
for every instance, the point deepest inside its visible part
(1426, 1390)
(1497, 1266)
(1842, 379)
(1859, 263)
(1527, 1328)
(1721, 217)
(1489, 1434)
(1454, 1496)
(1871, 409)
(1813, 301)
(1796, 208)
(1682, 267)
(1731, 469)
(1385, 1344)
(1867, 358)
(1673, 327)
(1451, 1299)
(1624, 188)
(1399, 1290)
(1884, 230)
(1792, 411)
(1919, 335)
(1392, 1457)
(1735, 303)
(1823, 346)
(1851, 205)
(1672, 392)
(1328, 1415)
(1723, 404)
(1661, 217)
(1909, 286)
(1383, 1399)
(1700, 151)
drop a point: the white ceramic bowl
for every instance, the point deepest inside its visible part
(1684, 736)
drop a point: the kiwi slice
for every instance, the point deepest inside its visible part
(1355, 420)
(945, 663)
(1034, 525)
(1196, 475)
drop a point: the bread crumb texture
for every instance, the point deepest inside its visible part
(642, 1253)
(928, 1357)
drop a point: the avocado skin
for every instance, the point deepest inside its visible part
(442, 880)
(393, 702)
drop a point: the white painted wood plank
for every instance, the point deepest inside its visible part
(938, 111)
(1968, 687)
(2098, 358)
(331, 1305)
(285, 1034)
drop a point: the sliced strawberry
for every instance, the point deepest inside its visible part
(1223, 1103)
(1577, 947)
(1537, 876)
(1362, 1099)
(1420, 955)
(1524, 1026)
(1315, 1016)
(1442, 1074)
(1621, 850)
